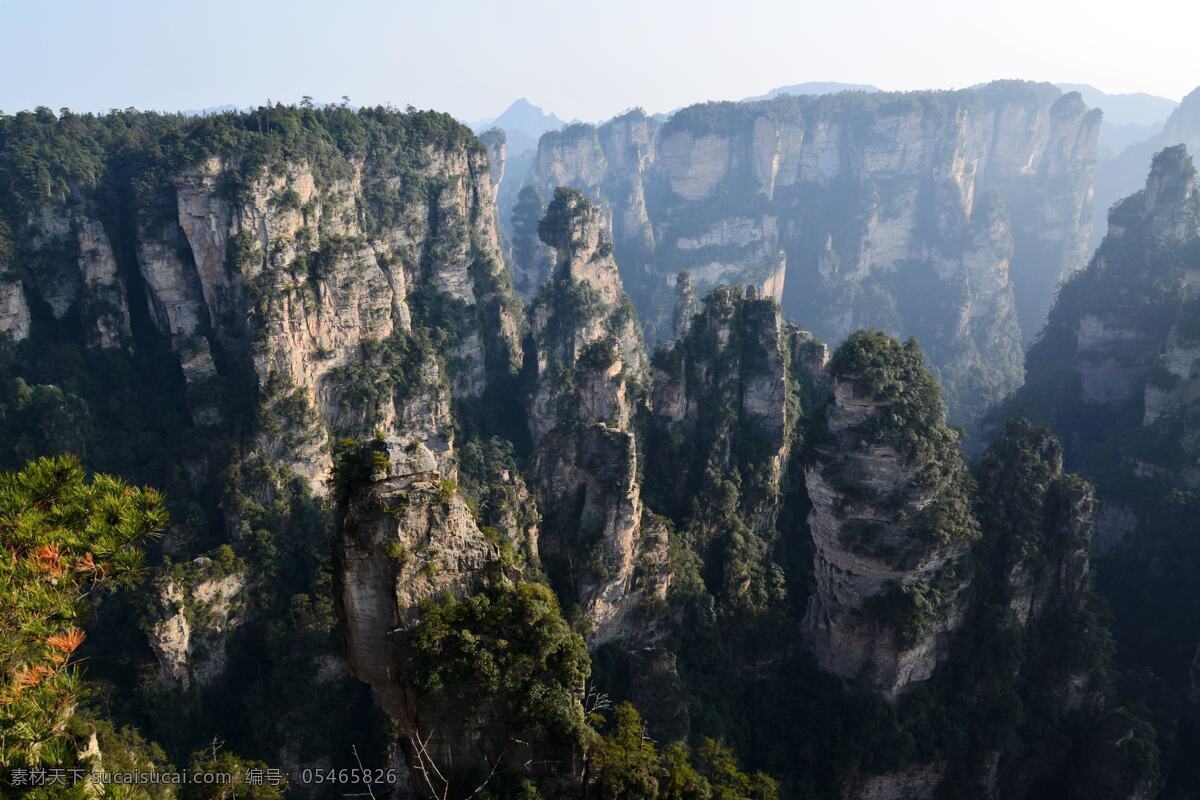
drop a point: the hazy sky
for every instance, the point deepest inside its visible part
(581, 60)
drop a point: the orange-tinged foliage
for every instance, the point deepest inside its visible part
(62, 537)
(48, 558)
(68, 641)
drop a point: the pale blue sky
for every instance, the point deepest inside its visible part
(586, 60)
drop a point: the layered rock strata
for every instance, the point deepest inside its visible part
(947, 215)
(301, 277)
(406, 537)
(592, 373)
(888, 521)
(195, 609)
(725, 399)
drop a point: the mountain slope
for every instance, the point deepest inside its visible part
(503, 520)
(211, 303)
(1117, 374)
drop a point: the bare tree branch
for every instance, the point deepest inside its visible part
(370, 792)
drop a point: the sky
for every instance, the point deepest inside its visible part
(582, 60)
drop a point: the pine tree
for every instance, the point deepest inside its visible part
(63, 538)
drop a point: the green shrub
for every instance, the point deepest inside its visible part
(510, 646)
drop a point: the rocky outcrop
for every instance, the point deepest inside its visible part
(724, 399)
(405, 539)
(946, 215)
(14, 310)
(494, 141)
(405, 535)
(313, 325)
(69, 260)
(687, 305)
(889, 521)
(1071, 514)
(1115, 374)
(591, 374)
(287, 278)
(311, 283)
(302, 274)
(1038, 524)
(727, 403)
(902, 588)
(195, 608)
(1124, 328)
(1125, 174)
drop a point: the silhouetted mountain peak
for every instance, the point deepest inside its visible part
(523, 115)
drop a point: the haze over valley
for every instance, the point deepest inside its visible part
(832, 441)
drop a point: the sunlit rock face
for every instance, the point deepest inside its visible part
(14, 309)
(405, 537)
(951, 216)
(592, 371)
(286, 281)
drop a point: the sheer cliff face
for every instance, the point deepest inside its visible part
(725, 397)
(591, 374)
(276, 281)
(1034, 590)
(356, 291)
(950, 216)
(402, 540)
(974, 585)
(889, 521)
(727, 403)
(14, 308)
(1117, 375)
(1121, 344)
(70, 262)
(295, 277)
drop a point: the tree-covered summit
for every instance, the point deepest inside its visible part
(45, 155)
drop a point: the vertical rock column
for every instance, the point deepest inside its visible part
(890, 520)
(591, 369)
(14, 310)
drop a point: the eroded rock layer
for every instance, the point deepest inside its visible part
(951, 216)
(591, 376)
(890, 521)
(301, 274)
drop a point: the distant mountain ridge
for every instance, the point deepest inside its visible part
(1135, 108)
(1128, 118)
(522, 117)
(523, 124)
(766, 193)
(814, 87)
(1123, 175)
